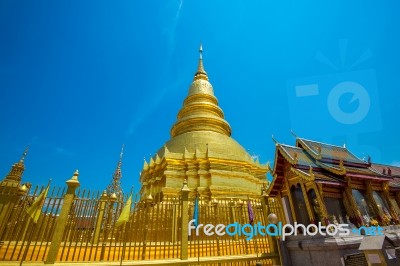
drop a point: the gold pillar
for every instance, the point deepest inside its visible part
(281, 214)
(320, 198)
(308, 206)
(368, 186)
(272, 241)
(185, 220)
(386, 196)
(353, 204)
(100, 216)
(62, 219)
(398, 198)
(289, 192)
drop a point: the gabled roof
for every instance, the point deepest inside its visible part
(328, 152)
(326, 163)
(389, 170)
(385, 169)
(297, 154)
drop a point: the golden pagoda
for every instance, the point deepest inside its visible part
(202, 151)
(13, 179)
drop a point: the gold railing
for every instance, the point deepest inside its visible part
(153, 232)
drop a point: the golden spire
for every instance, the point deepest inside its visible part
(115, 186)
(201, 73)
(24, 154)
(17, 169)
(200, 111)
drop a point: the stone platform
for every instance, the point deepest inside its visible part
(321, 250)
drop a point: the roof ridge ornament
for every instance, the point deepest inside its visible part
(274, 140)
(294, 134)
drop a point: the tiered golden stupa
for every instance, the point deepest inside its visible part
(202, 151)
(14, 177)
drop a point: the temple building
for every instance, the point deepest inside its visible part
(202, 151)
(318, 182)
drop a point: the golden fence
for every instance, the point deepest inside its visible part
(153, 232)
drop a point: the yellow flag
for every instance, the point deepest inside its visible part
(124, 217)
(35, 209)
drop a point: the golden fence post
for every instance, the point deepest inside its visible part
(112, 198)
(185, 221)
(174, 221)
(148, 204)
(272, 241)
(233, 217)
(62, 219)
(100, 216)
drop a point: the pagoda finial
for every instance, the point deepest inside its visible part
(121, 154)
(201, 73)
(115, 186)
(24, 154)
(201, 51)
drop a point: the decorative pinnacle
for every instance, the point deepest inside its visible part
(74, 182)
(122, 152)
(24, 154)
(185, 187)
(274, 140)
(201, 73)
(294, 134)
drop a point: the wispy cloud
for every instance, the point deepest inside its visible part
(146, 109)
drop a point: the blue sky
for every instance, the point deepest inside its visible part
(78, 80)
